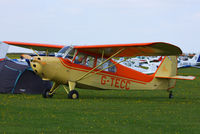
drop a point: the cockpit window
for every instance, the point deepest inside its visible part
(66, 52)
(84, 59)
(70, 54)
(80, 59)
(62, 51)
(90, 61)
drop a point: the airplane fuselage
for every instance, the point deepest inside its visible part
(63, 70)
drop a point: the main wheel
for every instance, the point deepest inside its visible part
(45, 94)
(73, 94)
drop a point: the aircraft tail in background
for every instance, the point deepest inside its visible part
(3, 50)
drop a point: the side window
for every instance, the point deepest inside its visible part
(107, 66)
(90, 61)
(80, 59)
(84, 59)
(112, 68)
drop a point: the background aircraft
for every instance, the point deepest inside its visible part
(3, 50)
(92, 67)
(185, 61)
(147, 65)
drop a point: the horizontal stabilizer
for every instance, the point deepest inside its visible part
(196, 66)
(178, 77)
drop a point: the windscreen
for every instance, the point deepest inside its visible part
(63, 51)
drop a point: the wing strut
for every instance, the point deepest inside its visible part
(100, 64)
(35, 52)
(102, 56)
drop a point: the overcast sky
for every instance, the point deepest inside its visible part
(82, 22)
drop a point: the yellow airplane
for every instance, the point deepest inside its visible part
(92, 67)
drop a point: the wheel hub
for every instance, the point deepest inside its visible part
(74, 96)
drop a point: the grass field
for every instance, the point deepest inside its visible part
(107, 112)
(14, 55)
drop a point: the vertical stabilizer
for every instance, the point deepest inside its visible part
(168, 67)
(198, 60)
(167, 70)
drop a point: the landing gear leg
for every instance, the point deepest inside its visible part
(170, 95)
(49, 93)
(72, 94)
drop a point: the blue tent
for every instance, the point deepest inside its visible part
(19, 78)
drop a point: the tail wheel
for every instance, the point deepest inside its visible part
(170, 95)
(73, 94)
(46, 94)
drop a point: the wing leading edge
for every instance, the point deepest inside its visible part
(36, 46)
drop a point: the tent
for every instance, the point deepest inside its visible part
(19, 78)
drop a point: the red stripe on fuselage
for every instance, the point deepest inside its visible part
(78, 67)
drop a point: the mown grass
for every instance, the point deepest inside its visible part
(14, 55)
(124, 112)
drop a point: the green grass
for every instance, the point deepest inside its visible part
(107, 112)
(14, 55)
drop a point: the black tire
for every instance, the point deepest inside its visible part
(45, 94)
(73, 94)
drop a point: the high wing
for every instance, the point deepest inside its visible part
(36, 46)
(133, 49)
(129, 50)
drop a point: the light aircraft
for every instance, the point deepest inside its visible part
(189, 62)
(92, 67)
